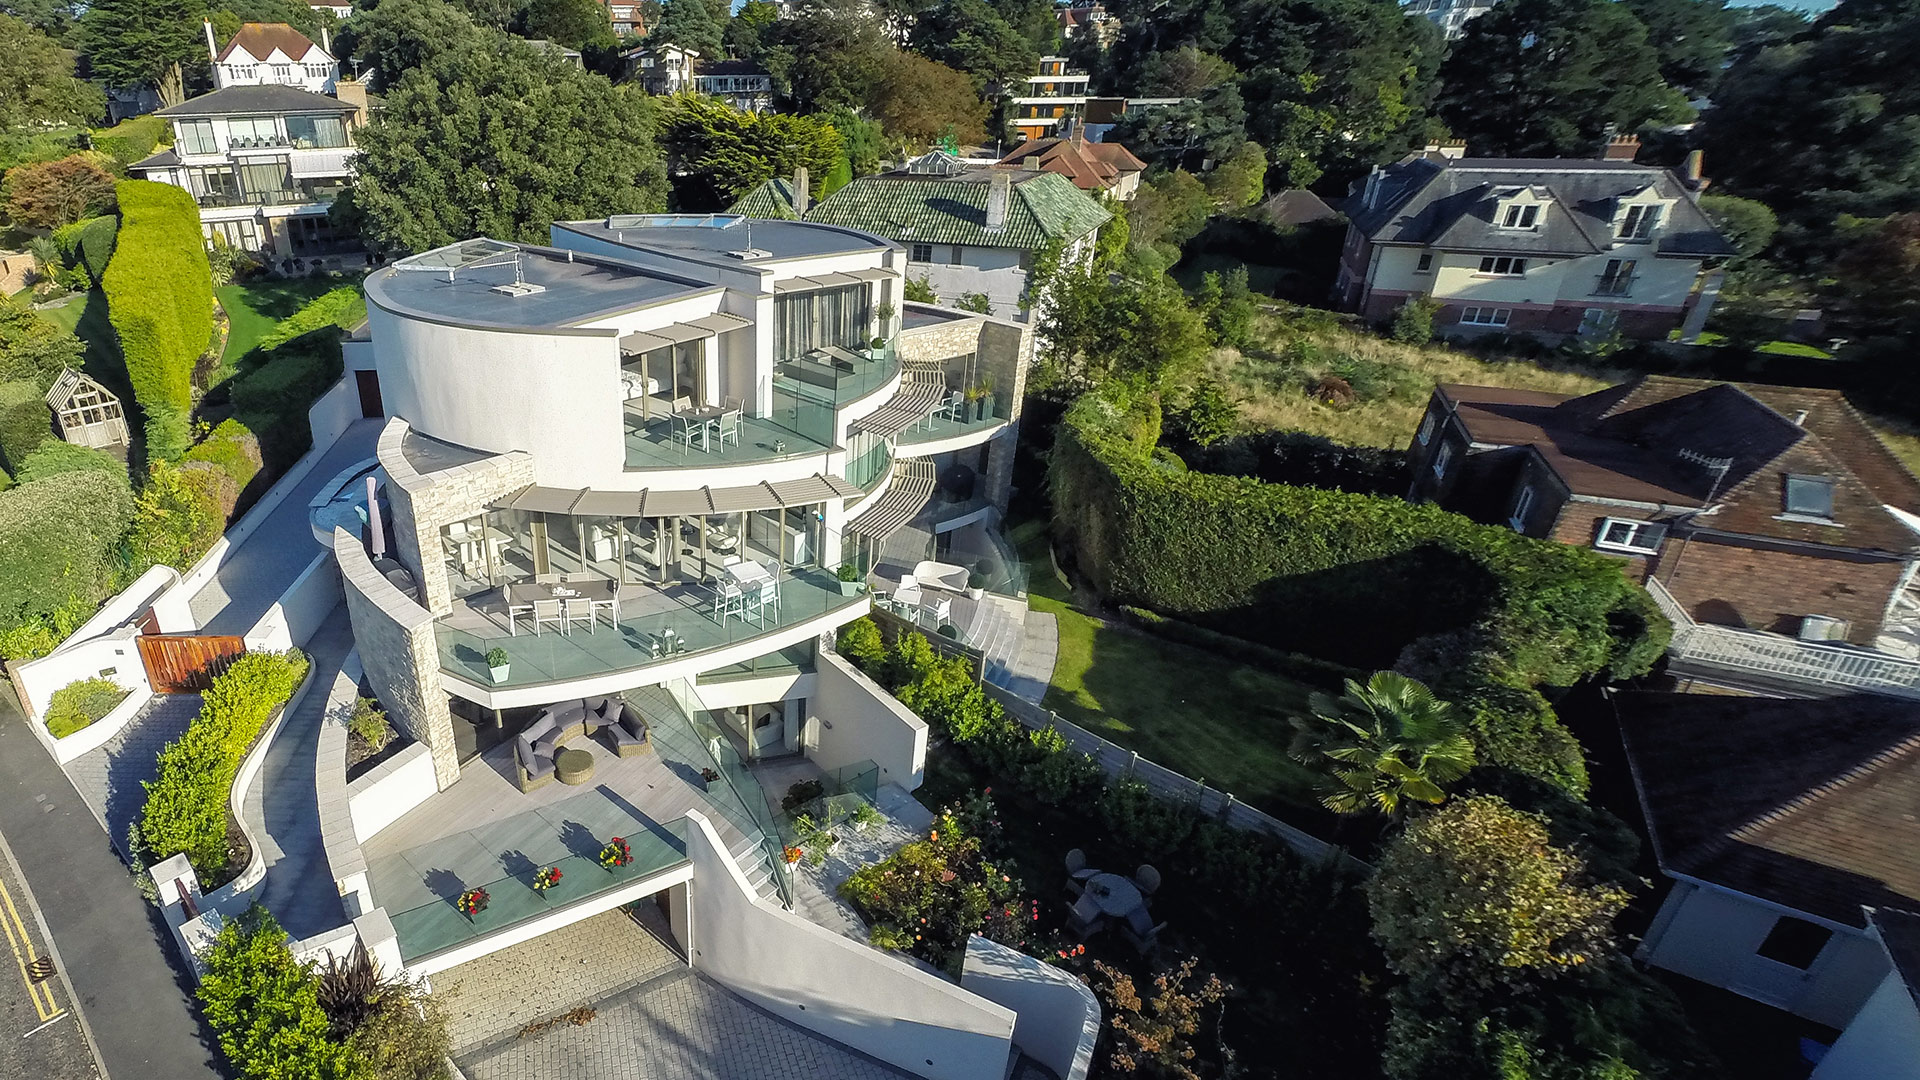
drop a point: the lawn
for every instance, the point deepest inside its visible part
(1212, 719)
(255, 307)
(86, 316)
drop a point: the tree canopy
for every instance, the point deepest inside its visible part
(971, 36)
(500, 139)
(37, 87)
(572, 23)
(688, 24)
(921, 100)
(1551, 78)
(719, 153)
(402, 35)
(827, 53)
(144, 43)
(55, 193)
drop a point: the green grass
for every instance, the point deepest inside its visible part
(255, 307)
(86, 316)
(1195, 713)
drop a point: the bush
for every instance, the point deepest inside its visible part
(231, 448)
(88, 244)
(56, 456)
(160, 300)
(1413, 323)
(1353, 578)
(273, 398)
(25, 421)
(60, 536)
(133, 140)
(861, 644)
(55, 193)
(265, 1006)
(177, 516)
(78, 704)
(919, 291)
(32, 348)
(336, 309)
(186, 809)
(927, 898)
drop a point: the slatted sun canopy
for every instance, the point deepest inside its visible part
(697, 502)
(830, 280)
(641, 341)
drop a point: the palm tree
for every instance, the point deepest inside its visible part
(1382, 744)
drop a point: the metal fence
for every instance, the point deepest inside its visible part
(1784, 657)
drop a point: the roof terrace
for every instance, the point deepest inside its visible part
(484, 282)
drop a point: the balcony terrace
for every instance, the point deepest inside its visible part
(663, 442)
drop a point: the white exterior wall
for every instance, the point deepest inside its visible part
(1456, 276)
(994, 271)
(1059, 1018)
(384, 795)
(852, 719)
(301, 609)
(1882, 1043)
(1713, 935)
(833, 985)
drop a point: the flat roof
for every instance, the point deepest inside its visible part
(458, 283)
(712, 237)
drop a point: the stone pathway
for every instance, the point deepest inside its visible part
(260, 568)
(110, 778)
(816, 892)
(1030, 670)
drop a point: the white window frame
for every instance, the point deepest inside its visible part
(1503, 266)
(1441, 459)
(1641, 221)
(1425, 264)
(1427, 424)
(920, 253)
(1521, 506)
(1786, 487)
(1519, 215)
(1485, 316)
(954, 256)
(1635, 543)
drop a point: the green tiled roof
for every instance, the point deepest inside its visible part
(771, 199)
(924, 209)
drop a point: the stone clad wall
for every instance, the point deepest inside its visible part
(1003, 351)
(423, 504)
(401, 659)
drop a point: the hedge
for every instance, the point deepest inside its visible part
(1482, 614)
(264, 1006)
(78, 704)
(160, 299)
(340, 308)
(25, 421)
(178, 515)
(186, 808)
(273, 397)
(134, 139)
(56, 456)
(88, 244)
(61, 537)
(231, 448)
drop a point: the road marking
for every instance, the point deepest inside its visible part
(23, 954)
(48, 1024)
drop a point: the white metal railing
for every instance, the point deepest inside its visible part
(1784, 657)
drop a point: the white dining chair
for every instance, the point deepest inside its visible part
(548, 611)
(579, 611)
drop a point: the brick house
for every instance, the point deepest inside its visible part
(1533, 246)
(1767, 509)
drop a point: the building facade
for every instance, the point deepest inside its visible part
(1553, 247)
(1052, 102)
(670, 69)
(272, 54)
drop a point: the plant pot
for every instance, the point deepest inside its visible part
(975, 594)
(500, 673)
(849, 588)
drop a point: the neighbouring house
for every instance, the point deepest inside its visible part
(1100, 114)
(272, 54)
(337, 9)
(1770, 523)
(670, 69)
(1080, 20)
(1882, 1042)
(626, 18)
(1534, 246)
(1776, 822)
(1296, 207)
(1451, 16)
(265, 161)
(1053, 101)
(967, 229)
(1092, 166)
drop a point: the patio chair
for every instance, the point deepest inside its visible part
(1148, 880)
(727, 600)
(579, 611)
(1076, 865)
(548, 611)
(908, 594)
(1084, 919)
(729, 426)
(546, 579)
(939, 609)
(1145, 942)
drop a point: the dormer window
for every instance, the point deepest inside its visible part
(1521, 216)
(1641, 221)
(1809, 497)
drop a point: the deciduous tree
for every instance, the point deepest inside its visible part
(402, 35)
(969, 35)
(921, 100)
(1691, 37)
(827, 53)
(572, 23)
(55, 193)
(37, 87)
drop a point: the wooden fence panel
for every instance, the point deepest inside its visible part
(186, 663)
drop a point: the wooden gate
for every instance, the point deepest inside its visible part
(186, 663)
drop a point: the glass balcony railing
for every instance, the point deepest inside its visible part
(421, 887)
(954, 419)
(838, 376)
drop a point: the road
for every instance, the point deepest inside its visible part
(113, 953)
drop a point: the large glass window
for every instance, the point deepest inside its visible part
(805, 321)
(315, 132)
(196, 136)
(245, 131)
(266, 180)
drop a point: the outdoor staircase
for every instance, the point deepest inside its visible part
(757, 864)
(998, 630)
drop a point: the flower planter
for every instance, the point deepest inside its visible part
(500, 673)
(849, 588)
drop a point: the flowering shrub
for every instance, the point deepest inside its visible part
(547, 879)
(472, 902)
(930, 896)
(794, 855)
(1155, 1035)
(616, 854)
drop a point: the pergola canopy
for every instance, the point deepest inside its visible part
(695, 502)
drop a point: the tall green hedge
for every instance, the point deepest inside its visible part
(25, 421)
(340, 309)
(88, 244)
(160, 300)
(60, 537)
(133, 139)
(56, 456)
(1481, 613)
(186, 807)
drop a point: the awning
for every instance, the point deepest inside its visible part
(311, 163)
(546, 500)
(914, 403)
(794, 284)
(905, 497)
(696, 502)
(661, 337)
(826, 281)
(872, 275)
(608, 504)
(721, 322)
(643, 343)
(680, 333)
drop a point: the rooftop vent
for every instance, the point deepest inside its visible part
(749, 254)
(518, 288)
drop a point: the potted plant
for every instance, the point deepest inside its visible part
(472, 902)
(709, 775)
(976, 585)
(497, 663)
(980, 398)
(884, 315)
(849, 575)
(547, 878)
(616, 854)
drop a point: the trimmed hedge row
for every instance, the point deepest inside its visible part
(340, 308)
(186, 808)
(25, 421)
(60, 536)
(1480, 613)
(56, 456)
(160, 301)
(88, 244)
(231, 449)
(133, 139)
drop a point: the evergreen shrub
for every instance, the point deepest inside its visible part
(160, 299)
(25, 421)
(60, 537)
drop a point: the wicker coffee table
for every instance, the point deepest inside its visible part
(573, 767)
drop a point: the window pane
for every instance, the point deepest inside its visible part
(1810, 495)
(1795, 942)
(1618, 532)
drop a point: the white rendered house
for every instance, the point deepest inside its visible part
(272, 54)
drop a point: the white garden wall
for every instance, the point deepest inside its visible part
(1059, 1017)
(301, 609)
(386, 792)
(853, 719)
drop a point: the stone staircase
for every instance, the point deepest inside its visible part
(998, 629)
(757, 864)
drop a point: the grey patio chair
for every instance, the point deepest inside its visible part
(1144, 942)
(548, 611)
(546, 579)
(729, 425)
(1076, 868)
(1148, 879)
(579, 611)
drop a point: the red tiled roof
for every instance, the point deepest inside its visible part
(1091, 166)
(260, 39)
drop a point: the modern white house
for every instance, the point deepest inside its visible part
(1534, 246)
(1778, 822)
(1052, 101)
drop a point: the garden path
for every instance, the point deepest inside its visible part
(110, 778)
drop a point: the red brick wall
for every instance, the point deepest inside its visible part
(1580, 522)
(1637, 323)
(1771, 590)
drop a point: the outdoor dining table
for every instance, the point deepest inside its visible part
(707, 417)
(1114, 895)
(601, 592)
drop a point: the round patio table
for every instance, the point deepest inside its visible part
(573, 767)
(1115, 895)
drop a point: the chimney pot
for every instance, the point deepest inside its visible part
(213, 52)
(1621, 148)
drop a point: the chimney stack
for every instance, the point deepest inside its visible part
(1621, 148)
(213, 51)
(1372, 189)
(1691, 174)
(999, 192)
(326, 44)
(352, 92)
(1031, 163)
(801, 196)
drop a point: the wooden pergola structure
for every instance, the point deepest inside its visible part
(87, 413)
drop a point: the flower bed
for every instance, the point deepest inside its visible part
(78, 704)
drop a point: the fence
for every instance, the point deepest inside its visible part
(1784, 657)
(1119, 762)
